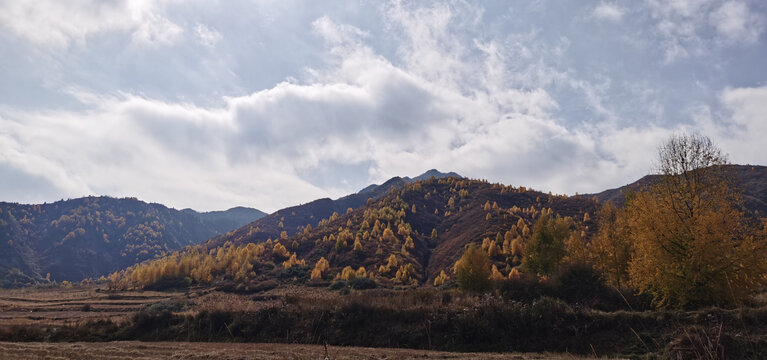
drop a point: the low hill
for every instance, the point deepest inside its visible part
(93, 236)
(752, 179)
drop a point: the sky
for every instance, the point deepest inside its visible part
(213, 104)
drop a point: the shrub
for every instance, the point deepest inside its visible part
(338, 285)
(579, 283)
(526, 287)
(297, 273)
(362, 283)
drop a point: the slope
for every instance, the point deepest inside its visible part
(752, 179)
(294, 219)
(93, 236)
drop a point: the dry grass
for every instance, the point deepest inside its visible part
(61, 306)
(164, 350)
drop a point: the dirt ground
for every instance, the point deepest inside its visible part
(229, 351)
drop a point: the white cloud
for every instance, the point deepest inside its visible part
(431, 86)
(736, 23)
(208, 36)
(55, 24)
(156, 30)
(742, 130)
(684, 26)
(609, 12)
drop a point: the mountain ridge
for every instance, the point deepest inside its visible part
(93, 236)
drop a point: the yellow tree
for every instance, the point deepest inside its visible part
(472, 270)
(692, 243)
(610, 249)
(320, 267)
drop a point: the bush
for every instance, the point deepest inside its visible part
(362, 283)
(338, 285)
(297, 273)
(579, 283)
(524, 288)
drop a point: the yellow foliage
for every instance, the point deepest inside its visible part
(495, 274)
(472, 270)
(388, 235)
(492, 249)
(692, 244)
(320, 267)
(409, 244)
(293, 261)
(610, 249)
(441, 278)
(280, 250)
(405, 273)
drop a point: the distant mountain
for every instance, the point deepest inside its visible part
(93, 236)
(295, 218)
(393, 182)
(223, 221)
(403, 233)
(433, 173)
(752, 179)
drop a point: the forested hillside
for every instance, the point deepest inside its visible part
(93, 236)
(414, 235)
(409, 237)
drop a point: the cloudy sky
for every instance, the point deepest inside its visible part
(213, 104)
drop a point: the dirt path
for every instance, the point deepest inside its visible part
(166, 350)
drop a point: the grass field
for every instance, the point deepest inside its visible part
(180, 350)
(92, 322)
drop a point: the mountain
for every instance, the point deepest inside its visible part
(223, 221)
(294, 219)
(398, 182)
(403, 237)
(93, 236)
(424, 225)
(752, 180)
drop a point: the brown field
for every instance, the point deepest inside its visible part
(61, 306)
(178, 350)
(65, 306)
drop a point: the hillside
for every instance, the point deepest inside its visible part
(294, 219)
(405, 237)
(752, 179)
(93, 236)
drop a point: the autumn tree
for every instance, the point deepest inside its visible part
(693, 243)
(546, 247)
(610, 249)
(320, 267)
(441, 278)
(472, 270)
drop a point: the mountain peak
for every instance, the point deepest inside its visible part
(432, 173)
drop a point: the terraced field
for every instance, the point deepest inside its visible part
(34, 306)
(175, 350)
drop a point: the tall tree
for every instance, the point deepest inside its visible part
(546, 247)
(472, 270)
(611, 248)
(693, 244)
